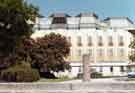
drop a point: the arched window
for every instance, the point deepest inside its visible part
(100, 41)
(89, 41)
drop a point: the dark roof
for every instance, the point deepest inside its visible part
(132, 31)
(40, 16)
(59, 20)
(59, 15)
(87, 15)
(109, 18)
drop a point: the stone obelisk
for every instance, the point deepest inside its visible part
(86, 67)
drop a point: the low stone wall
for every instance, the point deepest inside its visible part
(67, 87)
(34, 86)
(111, 91)
(104, 86)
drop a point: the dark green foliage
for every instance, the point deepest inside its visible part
(20, 73)
(132, 46)
(14, 28)
(47, 75)
(132, 57)
(96, 75)
(28, 11)
(50, 53)
(92, 75)
(47, 53)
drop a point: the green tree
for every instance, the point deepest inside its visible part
(15, 17)
(53, 49)
(132, 46)
(47, 53)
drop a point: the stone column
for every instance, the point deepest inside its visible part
(86, 68)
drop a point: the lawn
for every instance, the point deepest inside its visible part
(130, 79)
(55, 80)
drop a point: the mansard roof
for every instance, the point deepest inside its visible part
(132, 31)
(109, 18)
(87, 15)
(59, 15)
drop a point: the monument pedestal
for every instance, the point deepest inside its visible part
(87, 59)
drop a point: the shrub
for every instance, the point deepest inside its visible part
(20, 73)
(80, 75)
(47, 75)
(96, 75)
(93, 75)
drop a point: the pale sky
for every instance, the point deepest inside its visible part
(103, 8)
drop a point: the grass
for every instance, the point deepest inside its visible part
(130, 79)
(55, 80)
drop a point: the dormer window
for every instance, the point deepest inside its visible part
(59, 20)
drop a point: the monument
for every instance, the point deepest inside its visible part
(86, 60)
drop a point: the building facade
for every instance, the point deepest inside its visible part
(106, 41)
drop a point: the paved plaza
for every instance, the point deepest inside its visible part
(101, 80)
(106, 85)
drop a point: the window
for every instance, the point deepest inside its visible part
(89, 41)
(101, 69)
(121, 41)
(70, 69)
(110, 41)
(111, 69)
(79, 53)
(80, 69)
(79, 41)
(121, 52)
(110, 52)
(90, 52)
(100, 41)
(100, 52)
(122, 69)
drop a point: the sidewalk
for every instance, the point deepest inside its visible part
(109, 80)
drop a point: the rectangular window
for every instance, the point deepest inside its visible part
(89, 41)
(70, 69)
(100, 52)
(110, 41)
(79, 41)
(80, 69)
(90, 52)
(121, 41)
(121, 52)
(110, 52)
(100, 41)
(111, 69)
(122, 69)
(101, 69)
(79, 52)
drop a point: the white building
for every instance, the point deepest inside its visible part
(107, 41)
